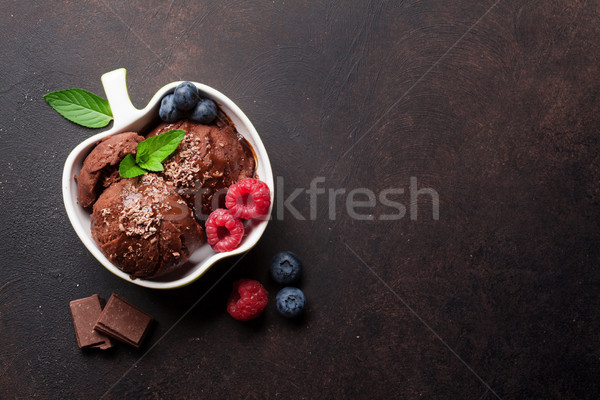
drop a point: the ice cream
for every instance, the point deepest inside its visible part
(150, 225)
(101, 167)
(144, 227)
(208, 160)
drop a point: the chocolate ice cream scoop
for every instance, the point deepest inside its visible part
(208, 160)
(144, 227)
(100, 168)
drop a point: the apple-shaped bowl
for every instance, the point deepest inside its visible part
(129, 118)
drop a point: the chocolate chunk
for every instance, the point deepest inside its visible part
(85, 314)
(123, 321)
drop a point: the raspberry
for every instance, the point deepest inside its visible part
(247, 300)
(249, 198)
(224, 232)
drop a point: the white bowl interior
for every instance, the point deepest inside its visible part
(128, 118)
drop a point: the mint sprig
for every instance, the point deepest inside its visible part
(151, 153)
(129, 169)
(81, 107)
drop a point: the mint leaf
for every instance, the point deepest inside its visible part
(129, 169)
(155, 149)
(141, 154)
(151, 153)
(81, 107)
(152, 165)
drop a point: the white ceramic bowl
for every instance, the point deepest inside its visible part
(129, 118)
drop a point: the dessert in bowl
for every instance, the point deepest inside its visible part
(90, 211)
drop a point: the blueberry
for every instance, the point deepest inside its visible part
(290, 302)
(285, 267)
(186, 96)
(168, 112)
(204, 112)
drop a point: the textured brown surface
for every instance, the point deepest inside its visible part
(504, 127)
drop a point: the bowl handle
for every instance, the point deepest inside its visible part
(115, 87)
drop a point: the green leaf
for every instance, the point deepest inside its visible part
(151, 153)
(129, 169)
(152, 165)
(81, 107)
(156, 148)
(141, 154)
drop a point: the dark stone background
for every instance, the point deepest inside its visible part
(499, 298)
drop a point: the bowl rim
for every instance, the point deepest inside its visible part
(125, 114)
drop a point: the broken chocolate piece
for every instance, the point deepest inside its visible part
(85, 314)
(123, 321)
